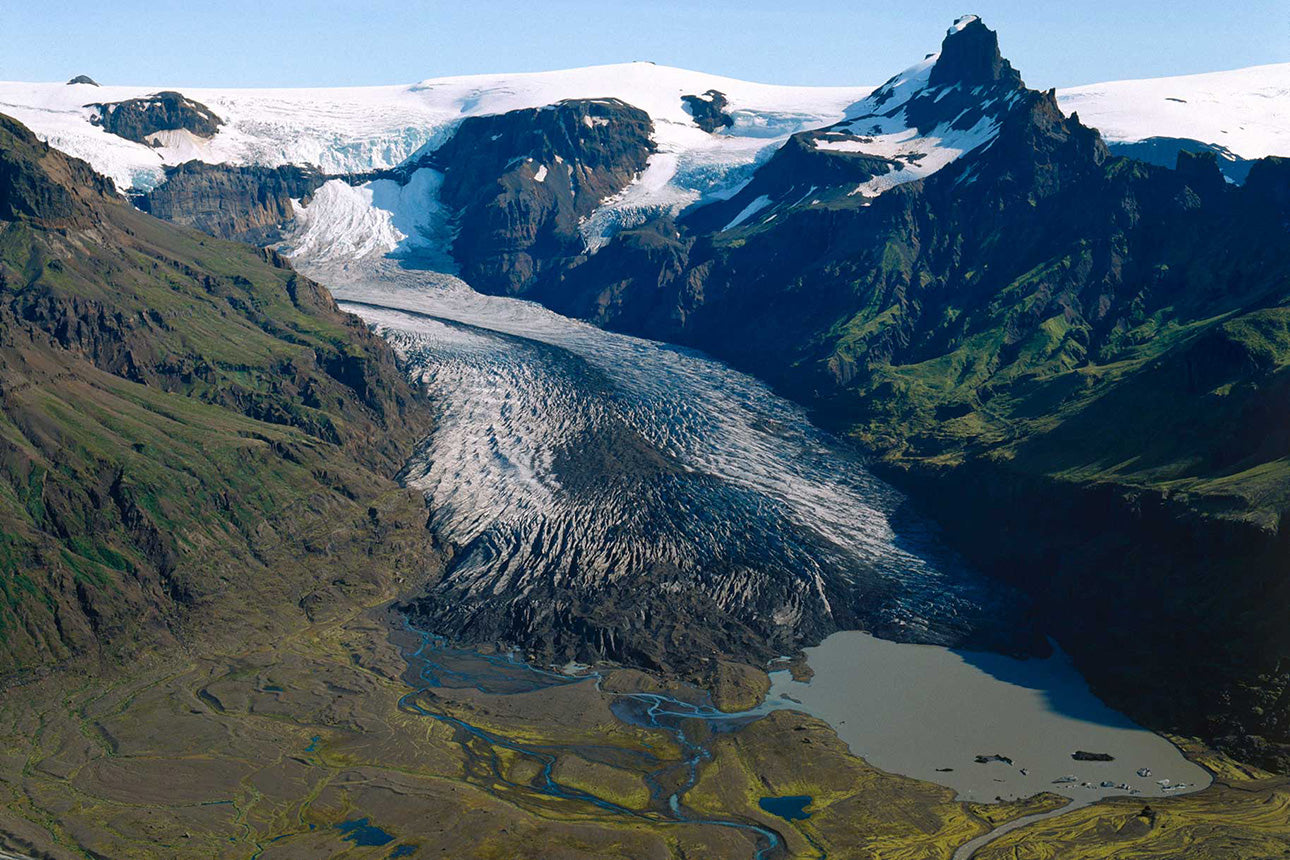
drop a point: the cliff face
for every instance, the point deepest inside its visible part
(247, 204)
(520, 182)
(190, 432)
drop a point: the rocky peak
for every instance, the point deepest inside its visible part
(938, 111)
(589, 133)
(83, 79)
(970, 56)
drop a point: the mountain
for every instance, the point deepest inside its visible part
(1025, 304)
(1054, 348)
(192, 436)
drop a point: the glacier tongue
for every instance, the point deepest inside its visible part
(573, 468)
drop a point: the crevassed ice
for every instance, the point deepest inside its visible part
(738, 490)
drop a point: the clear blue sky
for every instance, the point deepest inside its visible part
(328, 43)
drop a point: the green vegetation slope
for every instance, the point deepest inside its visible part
(190, 432)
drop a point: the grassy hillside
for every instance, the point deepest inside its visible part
(1153, 357)
(184, 422)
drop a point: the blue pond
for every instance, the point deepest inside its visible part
(792, 808)
(404, 850)
(360, 832)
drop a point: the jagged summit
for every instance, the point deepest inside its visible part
(83, 79)
(950, 103)
(970, 56)
(969, 61)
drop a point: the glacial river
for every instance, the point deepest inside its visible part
(513, 384)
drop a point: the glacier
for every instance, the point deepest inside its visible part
(568, 461)
(361, 130)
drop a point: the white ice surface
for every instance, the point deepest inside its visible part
(1245, 110)
(376, 219)
(357, 129)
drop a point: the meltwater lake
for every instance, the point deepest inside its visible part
(928, 712)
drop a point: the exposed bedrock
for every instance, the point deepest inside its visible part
(520, 182)
(250, 204)
(139, 119)
(709, 111)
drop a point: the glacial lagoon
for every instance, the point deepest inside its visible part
(928, 712)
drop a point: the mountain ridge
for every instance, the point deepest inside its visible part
(164, 458)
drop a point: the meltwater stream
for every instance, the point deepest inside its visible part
(434, 664)
(595, 483)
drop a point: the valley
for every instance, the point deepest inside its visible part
(630, 462)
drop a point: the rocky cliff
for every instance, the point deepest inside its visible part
(247, 204)
(519, 183)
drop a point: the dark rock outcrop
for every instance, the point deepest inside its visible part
(249, 204)
(83, 79)
(709, 111)
(520, 183)
(137, 119)
(970, 56)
